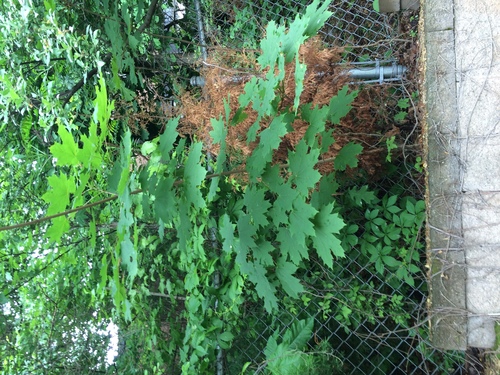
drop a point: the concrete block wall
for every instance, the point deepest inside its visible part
(461, 87)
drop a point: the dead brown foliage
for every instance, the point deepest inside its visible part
(324, 78)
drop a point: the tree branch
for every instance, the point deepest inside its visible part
(149, 17)
(80, 83)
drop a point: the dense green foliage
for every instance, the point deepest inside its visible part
(173, 251)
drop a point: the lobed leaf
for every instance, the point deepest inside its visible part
(340, 104)
(302, 163)
(348, 156)
(65, 152)
(256, 205)
(327, 224)
(194, 175)
(284, 272)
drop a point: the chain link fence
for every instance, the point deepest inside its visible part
(365, 322)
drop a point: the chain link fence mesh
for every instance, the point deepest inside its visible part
(352, 334)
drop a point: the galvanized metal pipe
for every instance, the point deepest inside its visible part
(368, 72)
(374, 72)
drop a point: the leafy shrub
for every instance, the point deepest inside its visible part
(184, 247)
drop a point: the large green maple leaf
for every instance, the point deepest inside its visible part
(302, 165)
(58, 199)
(289, 244)
(270, 140)
(300, 219)
(285, 271)
(326, 225)
(194, 175)
(65, 152)
(257, 205)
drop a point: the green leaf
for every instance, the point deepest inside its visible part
(168, 137)
(26, 125)
(271, 348)
(249, 92)
(49, 5)
(316, 117)
(102, 109)
(390, 261)
(284, 272)
(404, 103)
(286, 357)
(148, 148)
(256, 204)
(114, 177)
(391, 145)
(252, 131)
(90, 154)
(300, 219)
(410, 207)
(129, 64)
(326, 225)
(3, 299)
(294, 247)
(348, 156)
(246, 232)
(326, 140)
(129, 257)
(360, 195)
(226, 230)
(265, 290)
(391, 201)
(165, 204)
(65, 152)
(226, 336)
(185, 230)
(125, 160)
(340, 105)
(328, 187)
(218, 134)
(293, 39)
(409, 280)
(262, 253)
(419, 206)
(126, 18)
(299, 334)
(59, 226)
(194, 175)
(302, 165)
(400, 117)
(79, 196)
(316, 17)
(133, 42)
(238, 117)
(271, 45)
(284, 203)
(103, 273)
(270, 140)
(413, 268)
(58, 196)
